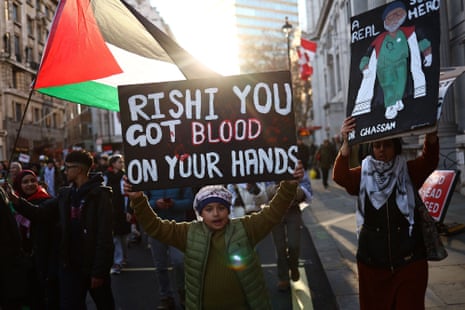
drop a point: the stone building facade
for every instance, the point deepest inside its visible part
(23, 30)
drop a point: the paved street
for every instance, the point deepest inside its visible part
(329, 274)
(136, 287)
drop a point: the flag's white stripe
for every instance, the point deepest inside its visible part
(139, 70)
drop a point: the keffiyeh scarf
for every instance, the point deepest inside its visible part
(379, 179)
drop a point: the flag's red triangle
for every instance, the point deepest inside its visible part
(75, 51)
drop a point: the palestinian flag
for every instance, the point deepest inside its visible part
(96, 45)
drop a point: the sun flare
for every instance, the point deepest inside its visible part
(206, 29)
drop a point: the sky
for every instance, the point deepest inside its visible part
(205, 29)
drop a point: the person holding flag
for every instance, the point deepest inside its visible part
(83, 212)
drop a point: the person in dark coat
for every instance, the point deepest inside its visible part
(303, 153)
(121, 217)
(391, 258)
(325, 159)
(13, 275)
(83, 211)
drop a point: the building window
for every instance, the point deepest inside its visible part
(36, 116)
(54, 120)
(331, 87)
(17, 48)
(28, 52)
(16, 13)
(18, 111)
(39, 33)
(16, 78)
(46, 116)
(30, 26)
(6, 43)
(338, 74)
(7, 9)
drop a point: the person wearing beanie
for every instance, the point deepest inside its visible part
(222, 270)
(210, 194)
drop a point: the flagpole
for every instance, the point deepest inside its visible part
(19, 132)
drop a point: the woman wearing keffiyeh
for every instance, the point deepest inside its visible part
(392, 268)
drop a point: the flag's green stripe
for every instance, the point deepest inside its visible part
(89, 93)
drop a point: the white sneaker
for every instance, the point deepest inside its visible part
(391, 112)
(399, 105)
(116, 269)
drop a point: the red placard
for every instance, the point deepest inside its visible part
(437, 191)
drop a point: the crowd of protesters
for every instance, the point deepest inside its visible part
(72, 221)
(63, 234)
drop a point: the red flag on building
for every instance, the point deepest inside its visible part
(306, 52)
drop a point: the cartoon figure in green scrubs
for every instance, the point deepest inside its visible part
(391, 57)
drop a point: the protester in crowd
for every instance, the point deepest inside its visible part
(325, 159)
(212, 282)
(3, 170)
(247, 198)
(14, 169)
(169, 204)
(83, 212)
(14, 285)
(312, 149)
(121, 215)
(60, 164)
(36, 168)
(392, 269)
(39, 244)
(102, 163)
(52, 177)
(286, 236)
(303, 153)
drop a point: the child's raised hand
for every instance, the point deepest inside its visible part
(127, 187)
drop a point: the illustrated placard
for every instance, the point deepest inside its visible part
(394, 72)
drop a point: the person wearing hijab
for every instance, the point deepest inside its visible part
(38, 242)
(391, 259)
(82, 215)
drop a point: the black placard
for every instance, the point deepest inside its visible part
(209, 131)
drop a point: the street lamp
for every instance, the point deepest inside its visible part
(287, 28)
